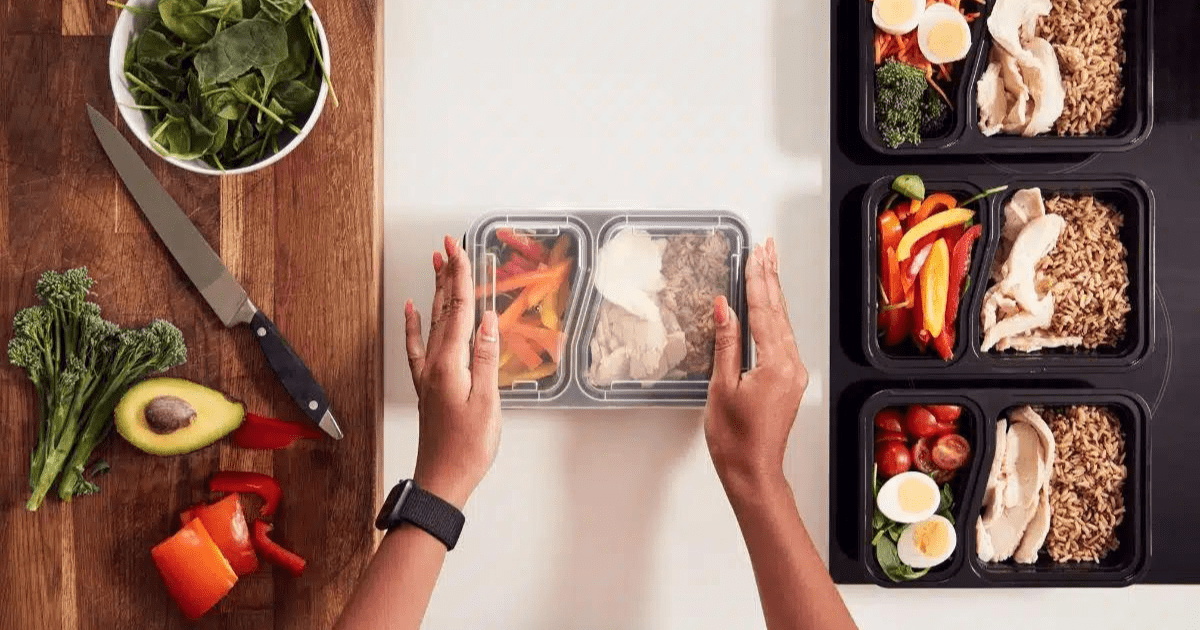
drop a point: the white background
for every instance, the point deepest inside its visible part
(614, 519)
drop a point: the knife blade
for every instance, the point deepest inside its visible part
(210, 276)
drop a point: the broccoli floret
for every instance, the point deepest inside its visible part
(80, 365)
(935, 115)
(898, 91)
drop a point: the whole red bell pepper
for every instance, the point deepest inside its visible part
(261, 432)
(960, 262)
(226, 524)
(262, 485)
(197, 575)
(273, 552)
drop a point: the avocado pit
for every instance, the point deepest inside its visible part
(168, 414)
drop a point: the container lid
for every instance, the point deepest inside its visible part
(602, 308)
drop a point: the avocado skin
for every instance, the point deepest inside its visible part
(217, 415)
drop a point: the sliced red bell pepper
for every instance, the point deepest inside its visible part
(226, 524)
(528, 246)
(197, 575)
(188, 514)
(890, 231)
(262, 485)
(892, 280)
(261, 432)
(895, 326)
(944, 344)
(273, 552)
(960, 262)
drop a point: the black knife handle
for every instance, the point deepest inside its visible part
(290, 368)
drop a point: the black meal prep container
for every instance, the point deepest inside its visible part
(590, 230)
(1132, 125)
(1128, 195)
(984, 406)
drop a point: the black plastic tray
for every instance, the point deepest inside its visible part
(1133, 122)
(1127, 194)
(1125, 566)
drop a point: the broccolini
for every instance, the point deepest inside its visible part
(80, 365)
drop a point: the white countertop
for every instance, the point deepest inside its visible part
(614, 519)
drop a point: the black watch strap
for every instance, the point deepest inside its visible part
(409, 503)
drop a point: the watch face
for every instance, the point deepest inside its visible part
(386, 518)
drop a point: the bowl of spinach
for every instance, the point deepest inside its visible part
(220, 86)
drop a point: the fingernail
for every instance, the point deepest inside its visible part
(437, 261)
(760, 256)
(451, 246)
(720, 315)
(487, 327)
(408, 307)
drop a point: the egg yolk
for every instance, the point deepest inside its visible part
(896, 11)
(947, 39)
(931, 538)
(915, 496)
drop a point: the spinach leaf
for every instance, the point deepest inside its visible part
(184, 19)
(295, 97)
(239, 48)
(224, 10)
(249, 8)
(298, 60)
(888, 557)
(223, 103)
(153, 49)
(279, 10)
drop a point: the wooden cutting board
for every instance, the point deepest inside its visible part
(303, 237)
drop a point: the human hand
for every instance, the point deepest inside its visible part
(458, 398)
(749, 416)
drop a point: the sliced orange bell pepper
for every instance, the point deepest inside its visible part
(544, 339)
(931, 205)
(536, 374)
(226, 525)
(935, 283)
(514, 311)
(523, 349)
(518, 281)
(548, 311)
(197, 575)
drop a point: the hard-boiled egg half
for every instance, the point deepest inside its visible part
(943, 34)
(928, 543)
(909, 497)
(897, 17)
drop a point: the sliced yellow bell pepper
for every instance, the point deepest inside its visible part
(939, 221)
(935, 287)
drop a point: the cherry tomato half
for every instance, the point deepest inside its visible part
(950, 452)
(919, 422)
(945, 413)
(883, 435)
(892, 458)
(946, 428)
(923, 457)
(941, 477)
(889, 420)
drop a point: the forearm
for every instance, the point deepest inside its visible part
(795, 589)
(395, 591)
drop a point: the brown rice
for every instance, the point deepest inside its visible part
(1087, 500)
(696, 270)
(1088, 272)
(1089, 39)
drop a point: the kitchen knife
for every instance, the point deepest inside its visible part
(210, 276)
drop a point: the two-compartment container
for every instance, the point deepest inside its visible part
(982, 408)
(1133, 121)
(987, 399)
(567, 377)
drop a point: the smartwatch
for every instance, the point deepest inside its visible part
(409, 503)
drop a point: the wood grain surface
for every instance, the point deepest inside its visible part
(302, 236)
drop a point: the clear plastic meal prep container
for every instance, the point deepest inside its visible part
(536, 269)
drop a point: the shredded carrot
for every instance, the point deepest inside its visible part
(514, 311)
(524, 350)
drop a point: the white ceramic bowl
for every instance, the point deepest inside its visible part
(128, 25)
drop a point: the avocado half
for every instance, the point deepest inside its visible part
(170, 416)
